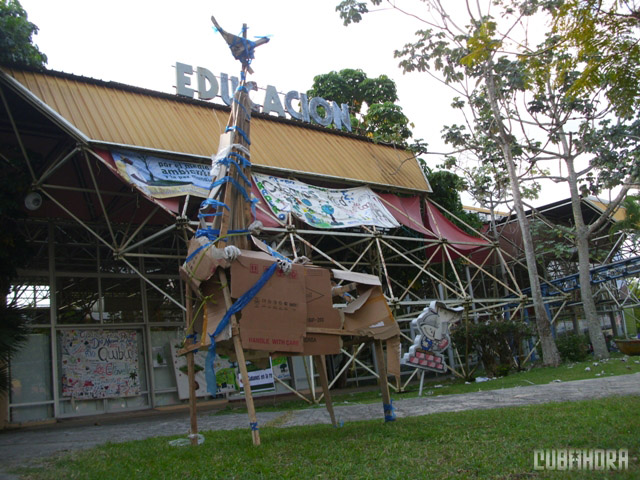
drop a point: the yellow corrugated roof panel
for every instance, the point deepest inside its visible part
(114, 113)
(619, 213)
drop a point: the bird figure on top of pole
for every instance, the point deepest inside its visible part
(241, 48)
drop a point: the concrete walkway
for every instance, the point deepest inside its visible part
(32, 445)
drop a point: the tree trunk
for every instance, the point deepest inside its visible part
(582, 244)
(550, 354)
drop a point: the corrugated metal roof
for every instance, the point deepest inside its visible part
(619, 214)
(113, 113)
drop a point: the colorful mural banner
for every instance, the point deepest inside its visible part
(99, 364)
(163, 178)
(324, 207)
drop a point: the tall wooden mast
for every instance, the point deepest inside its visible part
(226, 217)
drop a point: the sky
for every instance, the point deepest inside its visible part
(138, 42)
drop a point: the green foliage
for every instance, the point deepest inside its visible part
(604, 34)
(497, 341)
(14, 250)
(13, 334)
(351, 11)
(383, 120)
(554, 242)
(353, 87)
(573, 348)
(16, 45)
(446, 188)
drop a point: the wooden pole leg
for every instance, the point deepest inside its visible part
(248, 396)
(191, 374)
(321, 367)
(191, 370)
(242, 364)
(389, 415)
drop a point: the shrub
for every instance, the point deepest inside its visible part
(498, 343)
(573, 348)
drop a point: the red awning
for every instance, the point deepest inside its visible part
(458, 242)
(406, 210)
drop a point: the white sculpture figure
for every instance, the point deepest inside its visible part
(427, 351)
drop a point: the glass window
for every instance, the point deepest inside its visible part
(31, 379)
(75, 249)
(163, 370)
(78, 300)
(122, 302)
(31, 370)
(162, 309)
(33, 298)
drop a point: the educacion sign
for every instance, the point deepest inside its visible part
(208, 87)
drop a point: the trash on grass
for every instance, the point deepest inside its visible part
(183, 442)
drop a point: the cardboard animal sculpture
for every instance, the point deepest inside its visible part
(272, 305)
(432, 340)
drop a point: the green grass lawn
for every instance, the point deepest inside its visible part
(618, 364)
(495, 444)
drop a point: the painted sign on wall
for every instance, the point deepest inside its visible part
(99, 364)
(324, 207)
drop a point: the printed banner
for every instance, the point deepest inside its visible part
(99, 364)
(324, 207)
(258, 378)
(225, 373)
(162, 178)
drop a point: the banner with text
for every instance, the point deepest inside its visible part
(162, 178)
(324, 207)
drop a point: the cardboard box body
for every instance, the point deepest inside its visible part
(275, 319)
(370, 315)
(320, 313)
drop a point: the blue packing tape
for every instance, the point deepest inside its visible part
(240, 131)
(246, 112)
(229, 161)
(243, 161)
(275, 254)
(240, 188)
(211, 233)
(389, 412)
(210, 202)
(207, 215)
(198, 250)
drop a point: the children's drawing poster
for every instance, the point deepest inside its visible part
(99, 364)
(324, 207)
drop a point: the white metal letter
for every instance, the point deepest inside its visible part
(205, 76)
(272, 102)
(183, 71)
